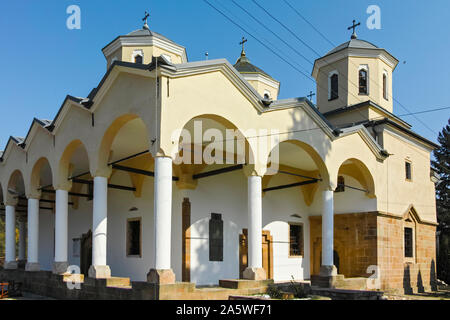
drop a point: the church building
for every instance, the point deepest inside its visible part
(173, 171)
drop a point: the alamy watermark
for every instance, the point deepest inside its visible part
(74, 19)
(374, 20)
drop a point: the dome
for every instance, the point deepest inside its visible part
(243, 65)
(353, 43)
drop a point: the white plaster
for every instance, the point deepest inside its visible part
(33, 231)
(10, 233)
(61, 227)
(99, 221)
(254, 222)
(327, 228)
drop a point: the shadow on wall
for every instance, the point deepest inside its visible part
(411, 287)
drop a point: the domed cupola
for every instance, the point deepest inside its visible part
(264, 84)
(354, 72)
(141, 45)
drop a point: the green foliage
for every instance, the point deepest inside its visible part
(274, 292)
(442, 167)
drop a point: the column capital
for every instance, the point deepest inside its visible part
(64, 186)
(11, 201)
(251, 170)
(34, 195)
(104, 172)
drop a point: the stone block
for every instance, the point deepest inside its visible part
(255, 274)
(32, 267)
(99, 272)
(161, 276)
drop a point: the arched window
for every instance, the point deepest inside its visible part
(333, 86)
(385, 90)
(138, 59)
(363, 82)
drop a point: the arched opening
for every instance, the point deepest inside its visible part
(296, 171)
(74, 166)
(41, 186)
(209, 163)
(355, 170)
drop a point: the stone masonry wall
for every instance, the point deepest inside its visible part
(400, 274)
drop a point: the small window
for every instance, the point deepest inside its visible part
(341, 184)
(408, 171)
(385, 91)
(138, 59)
(334, 87)
(363, 81)
(216, 237)
(409, 243)
(134, 237)
(295, 240)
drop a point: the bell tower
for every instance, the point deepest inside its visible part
(357, 71)
(141, 45)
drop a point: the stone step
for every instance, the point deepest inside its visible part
(244, 284)
(117, 282)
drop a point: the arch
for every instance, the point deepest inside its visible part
(64, 167)
(35, 178)
(227, 124)
(323, 173)
(13, 188)
(356, 169)
(110, 134)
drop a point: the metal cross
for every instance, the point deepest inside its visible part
(243, 43)
(354, 28)
(310, 95)
(147, 15)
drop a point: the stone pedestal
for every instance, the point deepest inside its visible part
(328, 271)
(32, 267)
(60, 267)
(10, 265)
(255, 274)
(327, 278)
(161, 276)
(99, 272)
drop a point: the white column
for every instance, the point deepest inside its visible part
(255, 269)
(99, 268)
(162, 272)
(61, 229)
(22, 240)
(254, 222)
(33, 235)
(163, 212)
(10, 237)
(328, 233)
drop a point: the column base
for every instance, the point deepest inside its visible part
(161, 276)
(255, 274)
(10, 265)
(328, 271)
(32, 267)
(60, 267)
(21, 264)
(99, 272)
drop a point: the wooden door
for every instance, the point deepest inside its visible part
(86, 252)
(267, 253)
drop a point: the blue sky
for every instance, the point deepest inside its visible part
(41, 61)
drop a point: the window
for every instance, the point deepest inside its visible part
(216, 237)
(363, 82)
(333, 86)
(408, 171)
(134, 237)
(409, 243)
(138, 56)
(138, 59)
(385, 91)
(295, 240)
(341, 184)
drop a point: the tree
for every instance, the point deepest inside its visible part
(442, 166)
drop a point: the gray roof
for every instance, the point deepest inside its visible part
(243, 65)
(147, 32)
(354, 43)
